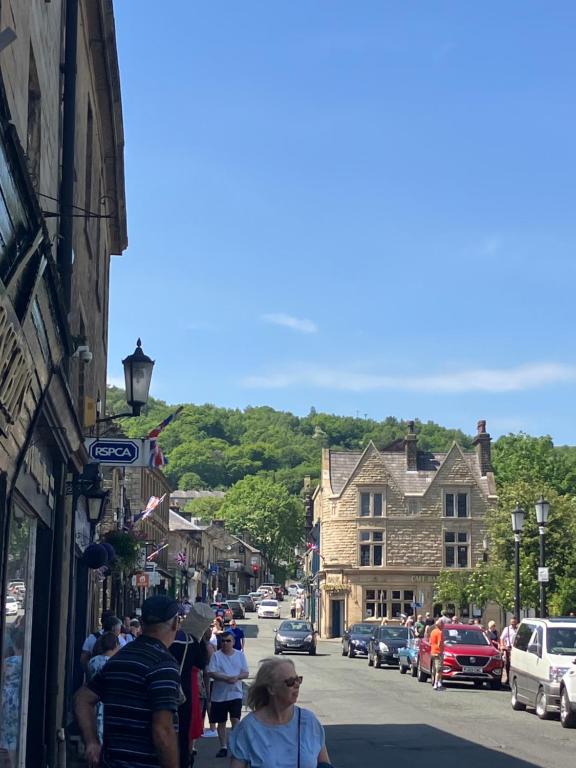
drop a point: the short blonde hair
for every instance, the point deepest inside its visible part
(259, 693)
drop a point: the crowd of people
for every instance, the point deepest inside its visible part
(152, 682)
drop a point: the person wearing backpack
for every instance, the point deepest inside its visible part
(110, 623)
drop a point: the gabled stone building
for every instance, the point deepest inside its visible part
(390, 520)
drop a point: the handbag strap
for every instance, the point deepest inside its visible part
(299, 718)
(185, 652)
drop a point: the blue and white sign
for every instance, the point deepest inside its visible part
(118, 452)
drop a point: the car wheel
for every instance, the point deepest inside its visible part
(420, 674)
(414, 670)
(567, 716)
(542, 705)
(403, 669)
(351, 653)
(370, 660)
(518, 706)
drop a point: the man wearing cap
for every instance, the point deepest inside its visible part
(140, 693)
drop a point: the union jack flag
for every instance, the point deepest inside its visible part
(311, 546)
(157, 551)
(157, 458)
(181, 559)
(153, 502)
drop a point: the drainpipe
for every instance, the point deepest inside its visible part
(65, 251)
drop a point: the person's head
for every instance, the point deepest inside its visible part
(427, 614)
(111, 623)
(107, 644)
(419, 617)
(160, 618)
(126, 622)
(513, 622)
(218, 624)
(491, 625)
(276, 680)
(233, 624)
(439, 624)
(135, 628)
(228, 643)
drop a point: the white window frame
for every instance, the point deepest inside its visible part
(371, 543)
(454, 545)
(455, 492)
(372, 490)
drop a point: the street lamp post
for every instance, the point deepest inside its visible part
(542, 510)
(517, 526)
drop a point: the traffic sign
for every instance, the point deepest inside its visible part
(118, 452)
(543, 575)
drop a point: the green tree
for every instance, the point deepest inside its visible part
(451, 588)
(206, 507)
(267, 514)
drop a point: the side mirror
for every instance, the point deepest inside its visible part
(275, 629)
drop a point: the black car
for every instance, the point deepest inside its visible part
(384, 645)
(295, 635)
(247, 602)
(355, 639)
(237, 609)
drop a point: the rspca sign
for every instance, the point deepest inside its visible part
(117, 452)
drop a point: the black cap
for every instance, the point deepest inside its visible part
(159, 608)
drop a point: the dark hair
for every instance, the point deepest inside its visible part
(227, 633)
(134, 623)
(110, 623)
(106, 642)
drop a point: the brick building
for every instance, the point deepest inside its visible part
(388, 521)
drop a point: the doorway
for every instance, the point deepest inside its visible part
(337, 627)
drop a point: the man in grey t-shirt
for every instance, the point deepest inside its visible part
(227, 669)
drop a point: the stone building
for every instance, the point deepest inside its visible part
(62, 215)
(388, 521)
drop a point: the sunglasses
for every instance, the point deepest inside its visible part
(291, 681)
(227, 641)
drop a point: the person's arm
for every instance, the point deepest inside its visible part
(85, 702)
(165, 739)
(324, 758)
(235, 763)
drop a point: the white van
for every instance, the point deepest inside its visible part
(543, 652)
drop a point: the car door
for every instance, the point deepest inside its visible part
(424, 654)
(522, 661)
(535, 667)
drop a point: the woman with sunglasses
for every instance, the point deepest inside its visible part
(277, 733)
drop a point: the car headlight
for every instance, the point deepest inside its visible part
(308, 639)
(555, 674)
(281, 638)
(384, 647)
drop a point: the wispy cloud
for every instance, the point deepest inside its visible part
(295, 323)
(530, 376)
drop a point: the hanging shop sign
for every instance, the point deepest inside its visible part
(119, 452)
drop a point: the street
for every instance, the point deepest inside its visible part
(376, 716)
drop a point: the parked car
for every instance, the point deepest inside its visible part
(468, 655)
(256, 599)
(355, 639)
(408, 656)
(542, 654)
(11, 606)
(268, 609)
(237, 609)
(295, 635)
(247, 602)
(222, 610)
(568, 698)
(295, 590)
(385, 643)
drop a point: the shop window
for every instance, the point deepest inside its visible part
(375, 604)
(15, 670)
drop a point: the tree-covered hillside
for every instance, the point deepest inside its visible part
(211, 447)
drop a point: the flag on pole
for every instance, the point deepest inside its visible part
(157, 458)
(157, 551)
(311, 546)
(181, 559)
(153, 502)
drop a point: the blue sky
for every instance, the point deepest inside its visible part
(368, 208)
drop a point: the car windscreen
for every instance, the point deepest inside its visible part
(394, 633)
(218, 605)
(465, 637)
(295, 626)
(233, 603)
(561, 640)
(269, 603)
(361, 629)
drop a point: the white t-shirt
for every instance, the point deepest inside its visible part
(232, 665)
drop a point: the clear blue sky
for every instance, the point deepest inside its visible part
(364, 207)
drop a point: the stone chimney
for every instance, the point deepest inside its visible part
(482, 442)
(411, 448)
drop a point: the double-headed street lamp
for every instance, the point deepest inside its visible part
(542, 511)
(517, 526)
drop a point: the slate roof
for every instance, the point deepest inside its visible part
(178, 523)
(343, 463)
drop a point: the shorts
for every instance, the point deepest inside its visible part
(437, 665)
(219, 710)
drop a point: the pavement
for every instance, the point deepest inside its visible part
(375, 717)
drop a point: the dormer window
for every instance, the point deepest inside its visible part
(372, 503)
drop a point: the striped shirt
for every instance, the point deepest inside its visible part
(140, 679)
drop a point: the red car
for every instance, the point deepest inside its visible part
(468, 655)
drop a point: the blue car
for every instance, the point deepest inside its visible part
(408, 656)
(355, 639)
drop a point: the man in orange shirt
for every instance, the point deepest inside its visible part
(436, 653)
